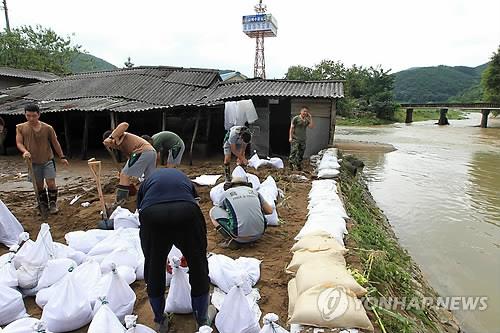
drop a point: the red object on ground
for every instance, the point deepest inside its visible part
(183, 264)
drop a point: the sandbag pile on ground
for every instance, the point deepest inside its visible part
(26, 325)
(225, 272)
(321, 277)
(124, 218)
(256, 162)
(329, 166)
(10, 228)
(11, 305)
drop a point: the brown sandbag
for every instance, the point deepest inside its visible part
(326, 271)
(330, 307)
(292, 297)
(302, 256)
(318, 242)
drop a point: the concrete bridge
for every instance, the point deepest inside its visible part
(485, 108)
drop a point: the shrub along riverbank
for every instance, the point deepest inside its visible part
(366, 119)
(383, 267)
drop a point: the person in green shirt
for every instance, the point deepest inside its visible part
(169, 146)
(297, 137)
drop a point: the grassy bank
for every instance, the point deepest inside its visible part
(385, 268)
(399, 117)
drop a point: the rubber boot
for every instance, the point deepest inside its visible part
(203, 312)
(160, 319)
(53, 201)
(43, 202)
(122, 193)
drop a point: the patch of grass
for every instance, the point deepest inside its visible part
(386, 265)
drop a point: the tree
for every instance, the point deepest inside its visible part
(128, 63)
(36, 48)
(491, 79)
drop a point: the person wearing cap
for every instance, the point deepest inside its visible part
(239, 218)
(141, 158)
(235, 143)
(170, 215)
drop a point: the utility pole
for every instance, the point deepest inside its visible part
(7, 25)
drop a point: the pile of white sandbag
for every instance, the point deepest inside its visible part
(328, 166)
(10, 228)
(256, 162)
(323, 293)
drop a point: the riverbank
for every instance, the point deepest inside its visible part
(399, 117)
(385, 268)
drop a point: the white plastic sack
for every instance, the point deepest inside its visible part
(121, 298)
(205, 329)
(127, 273)
(225, 272)
(254, 180)
(133, 327)
(26, 325)
(218, 298)
(230, 114)
(179, 294)
(246, 106)
(124, 218)
(206, 180)
(64, 251)
(54, 271)
(11, 305)
(22, 251)
(328, 173)
(270, 325)
(69, 309)
(235, 315)
(123, 256)
(335, 229)
(84, 241)
(256, 162)
(10, 228)
(273, 219)
(216, 194)
(8, 274)
(238, 172)
(105, 321)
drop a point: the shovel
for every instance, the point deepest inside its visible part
(43, 212)
(95, 169)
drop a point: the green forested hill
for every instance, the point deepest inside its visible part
(88, 63)
(438, 84)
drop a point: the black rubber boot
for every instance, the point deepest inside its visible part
(160, 319)
(203, 312)
(227, 173)
(53, 201)
(43, 202)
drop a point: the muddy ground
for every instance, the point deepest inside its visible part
(273, 249)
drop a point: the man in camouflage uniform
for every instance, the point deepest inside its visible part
(297, 137)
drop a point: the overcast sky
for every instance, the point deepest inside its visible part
(397, 34)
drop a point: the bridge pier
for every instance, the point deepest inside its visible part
(409, 116)
(442, 117)
(484, 119)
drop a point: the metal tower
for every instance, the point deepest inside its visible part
(259, 26)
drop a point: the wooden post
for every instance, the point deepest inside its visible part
(484, 118)
(163, 120)
(85, 137)
(333, 120)
(112, 119)
(409, 116)
(194, 137)
(66, 135)
(442, 117)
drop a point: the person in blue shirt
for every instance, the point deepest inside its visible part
(170, 215)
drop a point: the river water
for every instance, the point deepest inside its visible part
(441, 193)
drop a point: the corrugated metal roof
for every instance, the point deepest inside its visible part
(27, 74)
(276, 88)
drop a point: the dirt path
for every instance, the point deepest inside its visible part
(272, 249)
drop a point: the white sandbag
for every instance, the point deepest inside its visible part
(270, 325)
(105, 321)
(218, 297)
(121, 298)
(124, 218)
(64, 251)
(205, 180)
(328, 173)
(216, 194)
(313, 308)
(254, 180)
(205, 329)
(272, 219)
(10, 228)
(292, 296)
(8, 274)
(179, 294)
(128, 237)
(127, 273)
(11, 305)
(235, 315)
(326, 271)
(270, 183)
(302, 256)
(26, 325)
(225, 272)
(335, 228)
(139, 271)
(122, 256)
(133, 327)
(321, 242)
(328, 164)
(239, 172)
(84, 241)
(256, 162)
(68, 309)
(54, 271)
